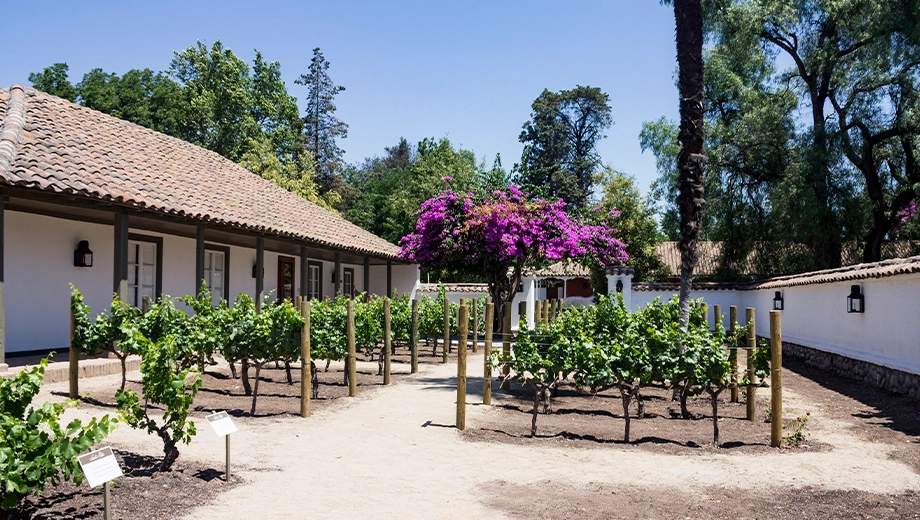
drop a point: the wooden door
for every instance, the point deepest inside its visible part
(285, 278)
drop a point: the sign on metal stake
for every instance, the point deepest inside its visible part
(223, 426)
(100, 467)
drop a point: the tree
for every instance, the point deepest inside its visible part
(635, 226)
(321, 127)
(216, 99)
(495, 236)
(560, 155)
(143, 97)
(385, 193)
(262, 159)
(54, 81)
(856, 66)
(688, 15)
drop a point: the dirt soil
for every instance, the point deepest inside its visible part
(383, 454)
(141, 494)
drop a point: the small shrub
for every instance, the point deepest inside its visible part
(34, 449)
(798, 430)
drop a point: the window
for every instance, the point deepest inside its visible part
(314, 281)
(216, 266)
(348, 282)
(285, 278)
(144, 259)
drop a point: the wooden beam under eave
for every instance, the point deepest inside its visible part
(199, 259)
(260, 272)
(337, 274)
(367, 278)
(3, 367)
(304, 272)
(120, 271)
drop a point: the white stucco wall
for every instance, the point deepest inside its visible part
(39, 270)
(887, 334)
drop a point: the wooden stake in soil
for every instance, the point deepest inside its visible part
(459, 339)
(74, 357)
(387, 342)
(413, 341)
(306, 379)
(446, 330)
(545, 312)
(733, 352)
(487, 353)
(351, 361)
(716, 316)
(475, 310)
(506, 344)
(463, 326)
(751, 393)
(776, 379)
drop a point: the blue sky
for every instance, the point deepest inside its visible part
(465, 70)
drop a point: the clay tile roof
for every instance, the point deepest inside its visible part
(707, 262)
(674, 287)
(53, 145)
(455, 287)
(885, 268)
(563, 268)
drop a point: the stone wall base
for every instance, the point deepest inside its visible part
(885, 378)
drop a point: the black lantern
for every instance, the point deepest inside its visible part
(778, 301)
(855, 301)
(83, 256)
(619, 286)
(254, 271)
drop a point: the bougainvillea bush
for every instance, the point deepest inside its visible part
(497, 235)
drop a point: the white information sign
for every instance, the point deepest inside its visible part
(222, 423)
(99, 466)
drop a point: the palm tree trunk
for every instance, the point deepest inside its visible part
(688, 16)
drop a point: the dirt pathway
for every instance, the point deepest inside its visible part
(394, 454)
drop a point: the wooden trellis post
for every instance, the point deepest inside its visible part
(522, 316)
(475, 331)
(716, 316)
(387, 341)
(733, 353)
(351, 361)
(413, 340)
(306, 379)
(776, 379)
(487, 353)
(751, 394)
(463, 328)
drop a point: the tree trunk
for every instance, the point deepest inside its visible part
(688, 16)
(684, 413)
(536, 404)
(640, 404)
(714, 398)
(255, 389)
(170, 451)
(244, 374)
(626, 396)
(287, 371)
(233, 370)
(124, 369)
(314, 380)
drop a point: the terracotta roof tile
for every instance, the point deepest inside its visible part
(885, 268)
(50, 144)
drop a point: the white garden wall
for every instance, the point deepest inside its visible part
(887, 334)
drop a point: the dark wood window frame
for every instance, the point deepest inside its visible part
(287, 260)
(226, 251)
(319, 281)
(351, 271)
(159, 267)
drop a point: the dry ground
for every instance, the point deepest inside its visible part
(392, 453)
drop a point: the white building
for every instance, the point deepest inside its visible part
(159, 216)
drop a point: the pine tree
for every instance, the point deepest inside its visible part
(321, 127)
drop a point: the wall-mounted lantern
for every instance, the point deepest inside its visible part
(83, 256)
(855, 301)
(778, 301)
(254, 271)
(619, 286)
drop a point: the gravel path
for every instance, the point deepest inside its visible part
(394, 454)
